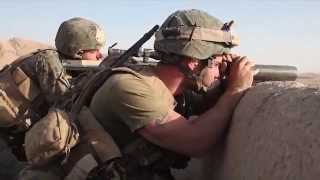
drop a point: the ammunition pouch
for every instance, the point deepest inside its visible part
(51, 136)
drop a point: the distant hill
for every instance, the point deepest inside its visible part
(308, 75)
(15, 47)
(311, 79)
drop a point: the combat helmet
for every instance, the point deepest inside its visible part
(78, 34)
(194, 33)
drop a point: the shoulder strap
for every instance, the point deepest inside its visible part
(93, 84)
(126, 70)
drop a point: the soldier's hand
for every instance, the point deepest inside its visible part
(226, 60)
(241, 75)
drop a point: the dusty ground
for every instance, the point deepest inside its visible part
(15, 47)
(311, 79)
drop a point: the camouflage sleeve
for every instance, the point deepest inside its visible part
(52, 78)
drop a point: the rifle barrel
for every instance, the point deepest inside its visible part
(275, 73)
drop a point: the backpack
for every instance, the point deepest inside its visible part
(18, 92)
(56, 133)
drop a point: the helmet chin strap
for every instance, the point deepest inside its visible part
(184, 69)
(173, 59)
(187, 72)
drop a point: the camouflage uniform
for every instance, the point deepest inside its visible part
(45, 69)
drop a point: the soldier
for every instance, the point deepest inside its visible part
(48, 83)
(137, 108)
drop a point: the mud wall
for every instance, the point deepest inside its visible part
(274, 135)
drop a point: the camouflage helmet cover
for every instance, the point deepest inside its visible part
(202, 35)
(77, 34)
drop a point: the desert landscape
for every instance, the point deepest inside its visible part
(15, 47)
(311, 79)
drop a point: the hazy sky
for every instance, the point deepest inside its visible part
(271, 31)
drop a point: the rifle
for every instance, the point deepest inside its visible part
(275, 73)
(264, 72)
(80, 65)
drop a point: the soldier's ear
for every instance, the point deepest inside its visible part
(191, 63)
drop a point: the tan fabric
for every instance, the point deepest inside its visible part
(52, 135)
(95, 143)
(94, 135)
(71, 64)
(17, 93)
(127, 102)
(30, 85)
(82, 168)
(8, 111)
(36, 174)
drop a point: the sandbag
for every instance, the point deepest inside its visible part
(52, 135)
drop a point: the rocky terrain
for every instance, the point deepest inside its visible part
(15, 47)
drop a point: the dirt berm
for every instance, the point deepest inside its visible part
(15, 47)
(274, 135)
